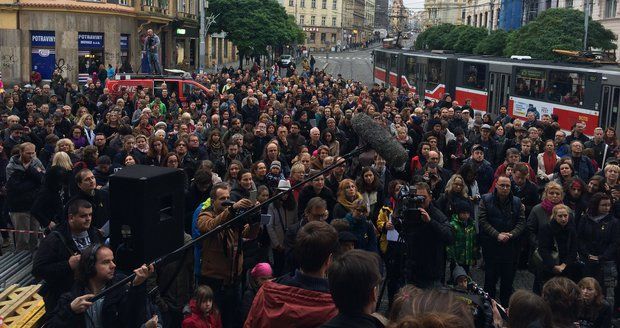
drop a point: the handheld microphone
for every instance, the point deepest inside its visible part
(380, 140)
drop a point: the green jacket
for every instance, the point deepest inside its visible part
(464, 249)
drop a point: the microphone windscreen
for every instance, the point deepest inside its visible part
(380, 140)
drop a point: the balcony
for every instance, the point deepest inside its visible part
(154, 6)
(183, 15)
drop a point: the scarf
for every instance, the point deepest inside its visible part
(547, 205)
(550, 160)
(342, 199)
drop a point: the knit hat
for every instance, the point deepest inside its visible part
(261, 270)
(276, 164)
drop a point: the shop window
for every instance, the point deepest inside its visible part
(323, 37)
(474, 75)
(566, 87)
(312, 38)
(530, 83)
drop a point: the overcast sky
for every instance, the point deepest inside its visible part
(416, 5)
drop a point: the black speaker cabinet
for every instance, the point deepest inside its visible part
(147, 213)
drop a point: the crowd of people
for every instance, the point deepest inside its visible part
(479, 192)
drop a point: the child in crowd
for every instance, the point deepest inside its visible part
(259, 274)
(274, 176)
(203, 311)
(463, 252)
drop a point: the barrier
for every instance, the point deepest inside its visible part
(21, 307)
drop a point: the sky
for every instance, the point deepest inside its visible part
(417, 5)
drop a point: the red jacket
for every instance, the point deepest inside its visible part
(198, 320)
(277, 305)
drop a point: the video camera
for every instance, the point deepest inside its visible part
(480, 304)
(409, 204)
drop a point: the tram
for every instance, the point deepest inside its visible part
(573, 92)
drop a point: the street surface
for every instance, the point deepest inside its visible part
(353, 64)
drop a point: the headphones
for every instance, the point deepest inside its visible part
(91, 260)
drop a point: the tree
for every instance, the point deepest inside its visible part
(493, 44)
(557, 29)
(252, 25)
(433, 37)
(464, 38)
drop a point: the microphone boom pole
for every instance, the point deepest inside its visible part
(233, 221)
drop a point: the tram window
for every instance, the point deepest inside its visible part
(433, 74)
(410, 71)
(566, 87)
(381, 59)
(393, 62)
(474, 75)
(530, 83)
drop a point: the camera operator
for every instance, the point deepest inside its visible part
(426, 234)
(222, 258)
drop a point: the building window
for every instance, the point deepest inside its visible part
(313, 4)
(334, 5)
(333, 21)
(610, 8)
(323, 19)
(569, 3)
(181, 6)
(301, 19)
(312, 20)
(312, 38)
(486, 18)
(291, 3)
(324, 4)
(302, 3)
(225, 48)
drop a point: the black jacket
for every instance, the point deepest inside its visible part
(308, 193)
(23, 184)
(598, 238)
(551, 235)
(122, 307)
(51, 262)
(427, 245)
(496, 217)
(48, 205)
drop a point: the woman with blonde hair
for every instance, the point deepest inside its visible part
(456, 192)
(347, 196)
(66, 145)
(88, 124)
(63, 160)
(558, 245)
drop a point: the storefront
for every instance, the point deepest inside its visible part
(90, 52)
(43, 52)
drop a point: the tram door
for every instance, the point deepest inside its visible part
(499, 91)
(391, 72)
(610, 101)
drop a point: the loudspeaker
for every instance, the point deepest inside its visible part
(147, 214)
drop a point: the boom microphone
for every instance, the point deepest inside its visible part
(380, 140)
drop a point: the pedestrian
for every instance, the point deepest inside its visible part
(151, 46)
(203, 312)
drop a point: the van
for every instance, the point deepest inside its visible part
(183, 87)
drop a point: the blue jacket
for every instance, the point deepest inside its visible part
(585, 168)
(365, 233)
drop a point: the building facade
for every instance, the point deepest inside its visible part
(382, 20)
(321, 20)
(79, 36)
(482, 13)
(444, 11)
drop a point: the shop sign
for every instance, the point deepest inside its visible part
(90, 41)
(43, 39)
